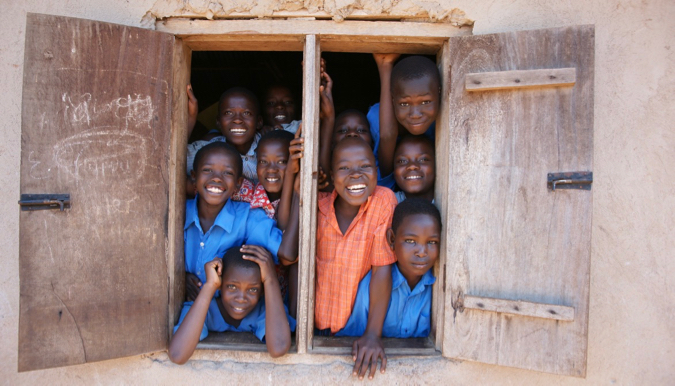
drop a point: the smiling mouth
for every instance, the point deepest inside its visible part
(280, 117)
(356, 189)
(413, 178)
(238, 131)
(214, 190)
(272, 179)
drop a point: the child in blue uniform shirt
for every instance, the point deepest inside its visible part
(214, 223)
(243, 275)
(414, 236)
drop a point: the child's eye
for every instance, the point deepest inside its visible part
(404, 104)
(271, 103)
(288, 103)
(341, 131)
(360, 130)
(262, 162)
(253, 290)
(206, 170)
(342, 168)
(366, 166)
(247, 113)
(409, 241)
(402, 161)
(424, 159)
(228, 113)
(433, 242)
(426, 102)
(282, 162)
(231, 287)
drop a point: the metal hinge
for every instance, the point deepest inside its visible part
(570, 180)
(44, 201)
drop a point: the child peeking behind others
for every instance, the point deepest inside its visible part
(415, 238)
(278, 109)
(214, 223)
(410, 93)
(250, 301)
(415, 168)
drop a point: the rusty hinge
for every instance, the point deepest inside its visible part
(44, 201)
(570, 180)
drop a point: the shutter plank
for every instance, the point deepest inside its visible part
(95, 123)
(509, 237)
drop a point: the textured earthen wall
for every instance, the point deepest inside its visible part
(632, 307)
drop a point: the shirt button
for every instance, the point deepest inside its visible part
(201, 245)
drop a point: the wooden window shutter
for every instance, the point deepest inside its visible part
(97, 124)
(517, 258)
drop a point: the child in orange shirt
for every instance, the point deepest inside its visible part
(351, 240)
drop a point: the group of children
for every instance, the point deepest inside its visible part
(375, 248)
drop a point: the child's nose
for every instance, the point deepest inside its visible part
(416, 112)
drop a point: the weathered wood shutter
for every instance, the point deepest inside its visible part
(518, 254)
(96, 124)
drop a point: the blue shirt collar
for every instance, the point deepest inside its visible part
(192, 215)
(399, 280)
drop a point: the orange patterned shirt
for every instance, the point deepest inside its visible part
(343, 260)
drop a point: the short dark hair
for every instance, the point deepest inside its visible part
(233, 258)
(417, 138)
(412, 206)
(414, 67)
(239, 90)
(222, 146)
(347, 142)
(283, 136)
(355, 112)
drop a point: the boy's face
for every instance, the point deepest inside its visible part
(353, 171)
(414, 167)
(279, 106)
(216, 177)
(416, 103)
(272, 161)
(416, 245)
(238, 120)
(240, 291)
(352, 125)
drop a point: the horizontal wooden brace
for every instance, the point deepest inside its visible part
(520, 307)
(549, 77)
(392, 346)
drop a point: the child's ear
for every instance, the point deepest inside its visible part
(390, 238)
(239, 182)
(193, 175)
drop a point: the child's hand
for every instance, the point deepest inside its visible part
(327, 108)
(322, 181)
(365, 352)
(192, 287)
(214, 270)
(263, 258)
(295, 151)
(385, 59)
(193, 105)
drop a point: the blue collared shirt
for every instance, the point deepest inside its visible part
(373, 117)
(253, 322)
(236, 224)
(408, 315)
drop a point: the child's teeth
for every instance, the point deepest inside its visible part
(413, 177)
(238, 131)
(356, 187)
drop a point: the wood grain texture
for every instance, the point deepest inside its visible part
(288, 35)
(392, 346)
(308, 196)
(441, 197)
(509, 237)
(501, 80)
(519, 307)
(96, 124)
(236, 341)
(182, 56)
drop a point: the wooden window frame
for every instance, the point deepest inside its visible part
(313, 37)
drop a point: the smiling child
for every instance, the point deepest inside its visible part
(243, 276)
(214, 223)
(415, 238)
(351, 241)
(415, 168)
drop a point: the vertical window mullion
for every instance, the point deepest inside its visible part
(308, 196)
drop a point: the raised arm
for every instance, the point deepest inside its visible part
(277, 329)
(368, 348)
(185, 340)
(327, 126)
(193, 110)
(388, 123)
(295, 152)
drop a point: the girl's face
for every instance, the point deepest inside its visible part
(352, 125)
(279, 106)
(416, 245)
(414, 167)
(272, 161)
(240, 291)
